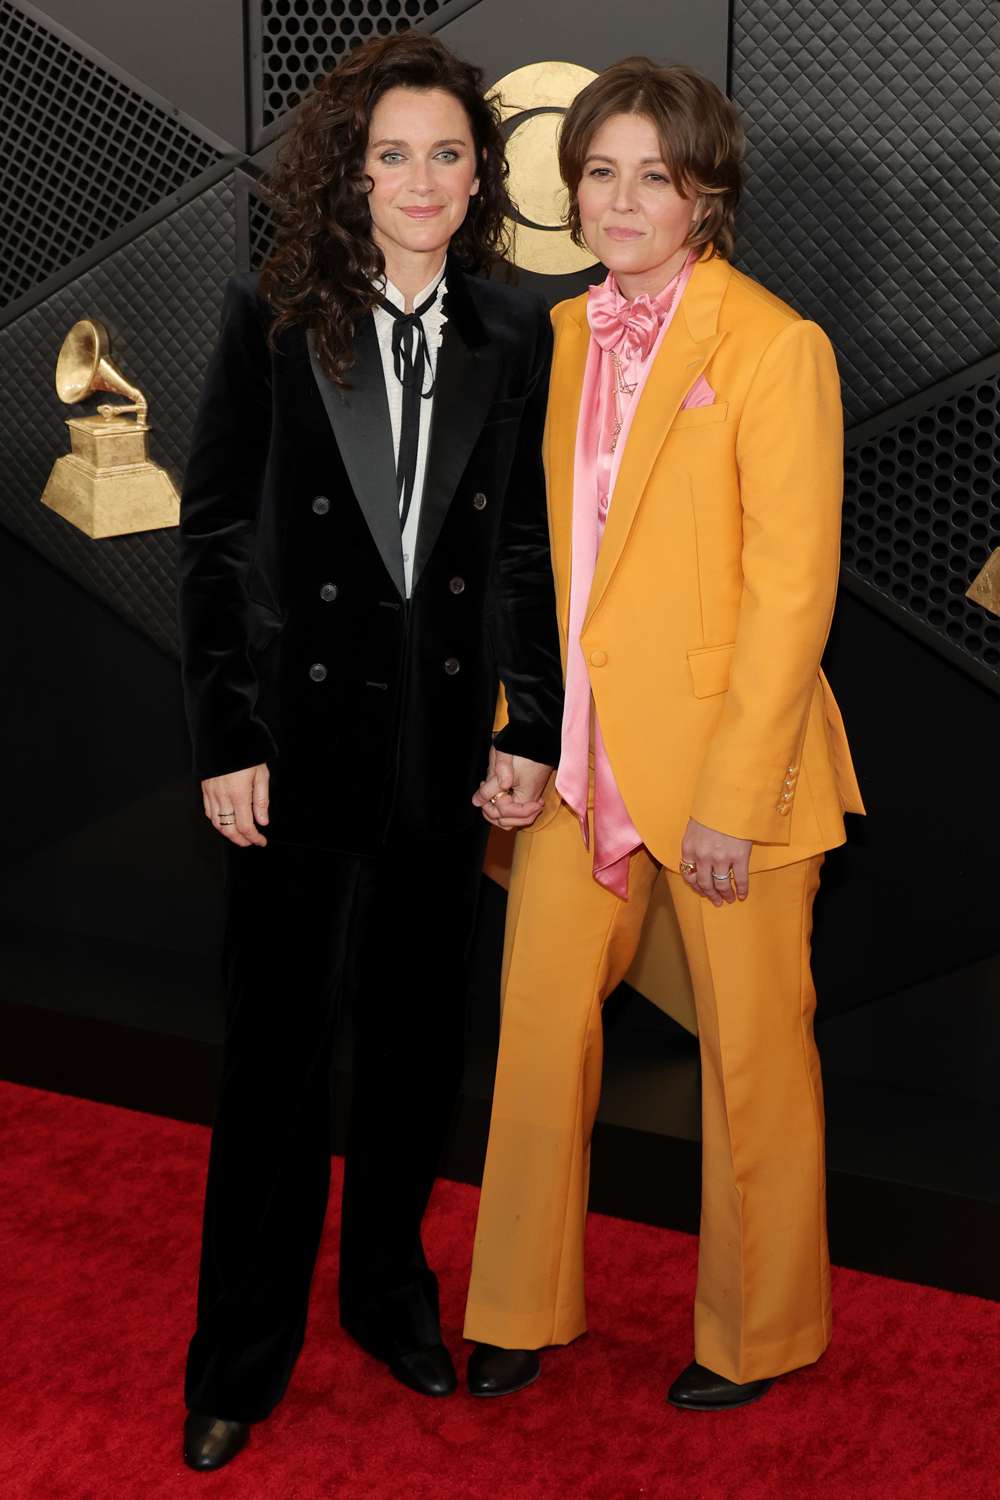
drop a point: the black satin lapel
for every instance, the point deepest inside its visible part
(360, 421)
(466, 382)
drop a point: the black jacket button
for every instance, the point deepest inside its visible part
(452, 665)
(317, 671)
(328, 592)
(479, 501)
(320, 505)
(457, 585)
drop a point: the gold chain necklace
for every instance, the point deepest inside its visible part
(622, 387)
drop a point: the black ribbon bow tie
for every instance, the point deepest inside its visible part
(411, 359)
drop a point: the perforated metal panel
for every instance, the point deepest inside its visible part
(922, 513)
(873, 205)
(295, 42)
(81, 154)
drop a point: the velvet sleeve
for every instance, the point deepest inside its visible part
(525, 626)
(219, 508)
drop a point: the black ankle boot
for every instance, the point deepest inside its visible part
(500, 1372)
(429, 1370)
(698, 1389)
(210, 1442)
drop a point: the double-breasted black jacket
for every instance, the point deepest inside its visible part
(298, 645)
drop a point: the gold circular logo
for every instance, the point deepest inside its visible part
(532, 103)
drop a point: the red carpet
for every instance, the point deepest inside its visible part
(100, 1212)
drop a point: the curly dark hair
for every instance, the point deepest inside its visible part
(325, 264)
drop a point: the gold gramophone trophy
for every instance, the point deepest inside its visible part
(107, 486)
(985, 587)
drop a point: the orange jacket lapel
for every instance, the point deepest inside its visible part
(688, 345)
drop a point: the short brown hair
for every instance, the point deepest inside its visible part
(700, 136)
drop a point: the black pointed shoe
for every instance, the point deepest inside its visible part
(429, 1371)
(698, 1389)
(501, 1372)
(210, 1442)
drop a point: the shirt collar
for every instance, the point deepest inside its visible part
(661, 302)
(395, 296)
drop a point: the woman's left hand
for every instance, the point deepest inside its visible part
(705, 853)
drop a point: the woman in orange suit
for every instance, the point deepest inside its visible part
(693, 452)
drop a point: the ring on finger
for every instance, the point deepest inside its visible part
(226, 819)
(725, 879)
(686, 868)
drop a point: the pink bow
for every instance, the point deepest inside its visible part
(629, 328)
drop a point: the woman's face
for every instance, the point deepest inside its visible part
(632, 216)
(421, 159)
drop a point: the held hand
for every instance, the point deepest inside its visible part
(513, 793)
(236, 803)
(704, 852)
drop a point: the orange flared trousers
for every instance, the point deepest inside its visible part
(763, 1297)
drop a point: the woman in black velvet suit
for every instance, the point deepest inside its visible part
(361, 563)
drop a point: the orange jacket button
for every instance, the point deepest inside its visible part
(598, 658)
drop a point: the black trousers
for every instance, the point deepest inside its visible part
(303, 927)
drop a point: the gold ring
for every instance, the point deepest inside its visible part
(687, 869)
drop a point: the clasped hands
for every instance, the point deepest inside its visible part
(513, 793)
(511, 796)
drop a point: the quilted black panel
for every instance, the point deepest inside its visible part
(160, 298)
(82, 153)
(873, 205)
(922, 514)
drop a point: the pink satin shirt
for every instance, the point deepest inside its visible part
(632, 331)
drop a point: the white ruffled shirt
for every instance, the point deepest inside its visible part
(433, 321)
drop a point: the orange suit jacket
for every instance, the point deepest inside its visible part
(717, 575)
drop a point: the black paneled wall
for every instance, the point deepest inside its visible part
(136, 140)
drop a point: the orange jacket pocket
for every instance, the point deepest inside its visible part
(700, 416)
(710, 669)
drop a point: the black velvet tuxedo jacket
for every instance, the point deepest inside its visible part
(298, 645)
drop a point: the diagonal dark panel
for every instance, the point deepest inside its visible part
(153, 44)
(160, 297)
(874, 134)
(82, 153)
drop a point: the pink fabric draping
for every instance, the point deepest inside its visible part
(634, 331)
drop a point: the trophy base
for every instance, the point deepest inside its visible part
(112, 502)
(985, 587)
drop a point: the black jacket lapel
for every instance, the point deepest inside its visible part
(360, 421)
(468, 371)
